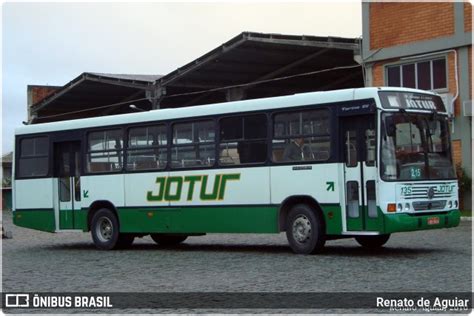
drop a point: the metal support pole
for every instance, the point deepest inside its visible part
(155, 96)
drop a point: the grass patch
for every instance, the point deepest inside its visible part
(466, 213)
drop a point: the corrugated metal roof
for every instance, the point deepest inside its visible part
(149, 78)
(253, 65)
(113, 87)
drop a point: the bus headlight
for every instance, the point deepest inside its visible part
(450, 204)
(407, 207)
(399, 207)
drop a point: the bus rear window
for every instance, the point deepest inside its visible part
(33, 160)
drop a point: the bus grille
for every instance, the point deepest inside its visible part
(429, 205)
(421, 192)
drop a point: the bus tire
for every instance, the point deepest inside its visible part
(168, 240)
(305, 230)
(125, 240)
(105, 229)
(372, 242)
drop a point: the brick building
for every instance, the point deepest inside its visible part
(36, 93)
(426, 46)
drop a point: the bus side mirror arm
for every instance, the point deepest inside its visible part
(390, 127)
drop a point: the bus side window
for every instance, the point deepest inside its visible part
(147, 148)
(193, 144)
(34, 158)
(243, 140)
(370, 144)
(352, 199)
(105, 151)
(351, 148)
(301, 136)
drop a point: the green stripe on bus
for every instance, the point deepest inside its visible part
(215, 219)
(212, 219)
(404, 222)
(225, 219)
(42, 219)
(332, 219)
(67, 222)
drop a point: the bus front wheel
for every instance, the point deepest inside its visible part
(372, 242)
(105, 229)
(305, 230)
(168, 240)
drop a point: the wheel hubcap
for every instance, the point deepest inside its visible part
(301, 229)
(104, 229)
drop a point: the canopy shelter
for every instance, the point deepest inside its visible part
(250, 65)
(254, 61)
(91, 94)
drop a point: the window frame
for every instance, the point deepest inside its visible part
(267, 114)
(82, 135)
(127, 148)
(415, 62)
(331, 134)
(171, 144)
(18, 156)
(87, 151)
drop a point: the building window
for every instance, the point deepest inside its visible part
(301, 136)
(105, 151)
(243, 140)
(147, 148)
(193, 145)
(425, 75)
(33, 157)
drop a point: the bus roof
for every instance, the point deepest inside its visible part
(301, 99)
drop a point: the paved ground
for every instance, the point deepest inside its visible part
(438, 260)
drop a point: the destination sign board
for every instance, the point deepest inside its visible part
(411, 101)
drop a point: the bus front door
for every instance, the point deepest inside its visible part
(359, 141)
(67, 172)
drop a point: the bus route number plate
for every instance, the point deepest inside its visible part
(433, 221)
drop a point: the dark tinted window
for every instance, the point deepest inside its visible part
(243, 140)
(394, 76)
(439, 74)
(426, 75)
(409, 76)
(33, 157)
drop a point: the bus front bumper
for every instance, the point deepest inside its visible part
(410, 222)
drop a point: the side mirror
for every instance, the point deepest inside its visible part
(390, 126)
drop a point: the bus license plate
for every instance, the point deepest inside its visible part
(433, 221)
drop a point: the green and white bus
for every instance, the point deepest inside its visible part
(356, 163)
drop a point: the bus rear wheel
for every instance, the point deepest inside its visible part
(372, 242)
(168, 240)
(305, 230)
(105, 229)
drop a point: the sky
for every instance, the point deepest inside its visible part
(53, 43)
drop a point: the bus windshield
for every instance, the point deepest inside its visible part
(415, 147)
